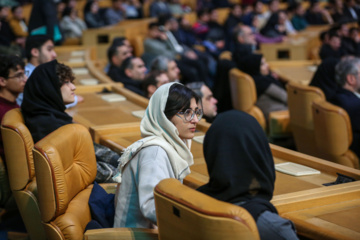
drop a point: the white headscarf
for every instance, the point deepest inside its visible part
(160, 131)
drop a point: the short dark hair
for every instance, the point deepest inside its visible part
(112, 50)
(202, 12)
(127, 64)
(179, 99)
(153, 25)
(8, 62)
(64, 73)
(196, 87)
(66, 11)
(35, 41)
(13, 9)
(150, 79)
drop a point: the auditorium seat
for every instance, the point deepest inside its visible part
(243, 95)
(65, 167)
(18, 145)
(333, 133)
(300, 98)
(184, 213)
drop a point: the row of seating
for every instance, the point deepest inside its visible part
(319, 128)
(52, 182)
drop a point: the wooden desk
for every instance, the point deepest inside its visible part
(103, 37)
(82, 61)
(297, 47)
(122, 135)
(328, 213)
(294, 71)
(95, 111)
(318, 212)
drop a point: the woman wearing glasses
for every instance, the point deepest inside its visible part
(167, 128)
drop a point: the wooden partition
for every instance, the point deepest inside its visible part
(103, 37)
(328, 213)
(297, 47)
(97, 111)
(83, 62)
(123, 135)
(295, 71)
(305, 199)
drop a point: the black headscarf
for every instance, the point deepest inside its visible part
(43, 107)
(239, 162)
(324, 77)
(251, 65)
(270, 28)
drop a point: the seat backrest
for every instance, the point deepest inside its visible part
(184, 213)
(333, 133)
(65, 167)
(300, 98)
(18, 144)
(243, 95)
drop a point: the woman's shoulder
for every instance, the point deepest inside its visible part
(154, 151)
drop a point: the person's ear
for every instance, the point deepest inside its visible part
(128, 73)
(351, 79)
(35, 52)
(151, 89)
(2, 82)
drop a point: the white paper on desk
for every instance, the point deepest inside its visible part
(77, 53)
(199, 139)
(295, 169)
(80, 71)
(113, 97)
(76, 60)
(139, 113)
(89, 81)
(312, 68)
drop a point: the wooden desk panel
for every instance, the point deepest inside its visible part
(294, 71)
(121, 136)
(327, 213)
(297, 47)
(318, 212)
(96, 111)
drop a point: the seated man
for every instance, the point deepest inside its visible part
(120, 49)
(348, 96)
(207, 99)
(169, 66)
(39, 49)
(12, 82)
(117, 53)
(153, 81)
(131, 74)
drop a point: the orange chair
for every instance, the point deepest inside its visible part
(243, 95)
(18, 145)
(333, 133)
(65, 167)
(300, 98)
(184, 213)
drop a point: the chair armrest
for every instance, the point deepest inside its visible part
(121, 234)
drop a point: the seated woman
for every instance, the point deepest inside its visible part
(47, 91)
(275, 26)
(241, 170)
(167, 127)
(271, 95)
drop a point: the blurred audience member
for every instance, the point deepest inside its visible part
(71, 25)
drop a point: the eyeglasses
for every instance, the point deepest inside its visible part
(189, 114)
(20, 76)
